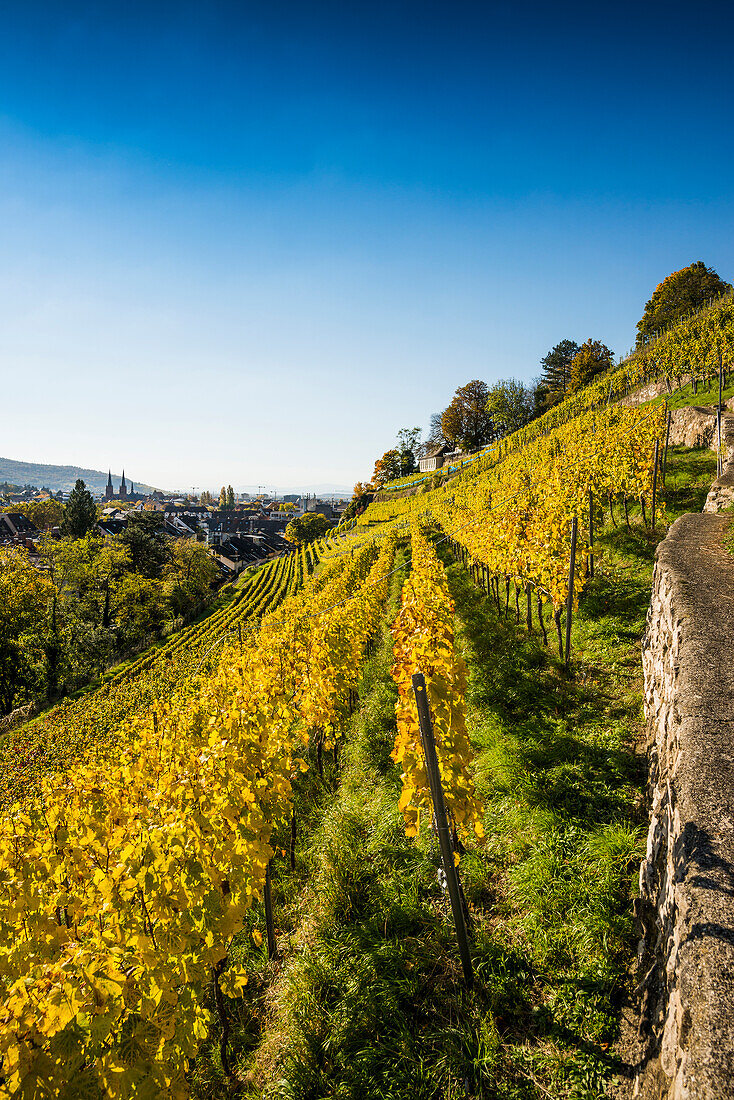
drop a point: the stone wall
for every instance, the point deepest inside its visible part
(17, 717)
(686, 901)
(650, 391)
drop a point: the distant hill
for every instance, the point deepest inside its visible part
(61, 477)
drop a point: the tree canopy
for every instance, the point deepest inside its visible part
(509, 404)
(435, 438)
(408, 449)
(466, 422)
(556, 377)
(387, 468)
(361, 497)
(146, 540)
(591, 359)
(678, 294)
(306, 528)
(80, 513)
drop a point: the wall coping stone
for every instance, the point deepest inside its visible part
(686, 901)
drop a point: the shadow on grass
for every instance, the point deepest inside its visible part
(545, 714)
(690, 472)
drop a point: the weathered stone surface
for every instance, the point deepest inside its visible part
(721, 493)
(17, 717)
(687, 878)
(693, 426)
(650, 391)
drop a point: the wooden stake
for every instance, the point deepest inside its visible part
(655, 483)
(667, 439)
(442, 825)
(569, 601)
(542, 620)
(719, 462)
(272, 948)
(591, 533)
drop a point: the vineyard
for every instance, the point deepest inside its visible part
(61, 733)
(263, 771)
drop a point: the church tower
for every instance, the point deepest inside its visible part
(109, 492)
(123, 488)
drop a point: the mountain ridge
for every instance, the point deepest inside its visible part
(61, 478)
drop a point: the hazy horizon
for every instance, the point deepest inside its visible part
(247, 243)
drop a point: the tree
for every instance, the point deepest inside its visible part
(230, 497)
(188, 575)
(387, 468)
(466, 422)
(556, 376)
(80, 513)
(140, 613)
(25, 593)
(678, 294)
(509, 405)
(223, 497)
(206, 497)
(146, 540)
(408, 448)
(435, 438)
(361, 496)
(306, 528)
(538, 398)
(44, 514)
(592, 358)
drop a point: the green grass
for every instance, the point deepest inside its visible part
(367, 1000)
(707, 395)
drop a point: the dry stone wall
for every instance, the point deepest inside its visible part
(686, 901)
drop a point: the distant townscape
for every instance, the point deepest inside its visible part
(239, 529)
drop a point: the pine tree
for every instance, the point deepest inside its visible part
(556, 377)
(80, 513)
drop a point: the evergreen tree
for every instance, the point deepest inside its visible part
(80, 513)
(556, 377)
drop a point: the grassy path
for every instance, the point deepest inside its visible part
(367, 999)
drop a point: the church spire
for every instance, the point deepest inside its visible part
(109, 479)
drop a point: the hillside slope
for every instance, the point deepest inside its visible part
(59, 477)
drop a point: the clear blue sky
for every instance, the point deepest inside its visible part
(248, 242)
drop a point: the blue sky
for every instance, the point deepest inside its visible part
(248, 242)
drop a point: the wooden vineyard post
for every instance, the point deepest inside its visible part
(719, 463)
(655, 483)
(667, 439)
(442, 825)
(569, 600)
(591, 532)
(272, 949)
